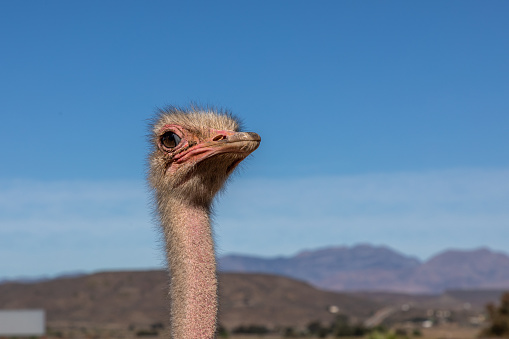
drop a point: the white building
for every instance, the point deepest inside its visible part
(22, 323)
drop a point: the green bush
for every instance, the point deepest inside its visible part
(290, 332)
(251, 329)
(222, 332)
(382, 335)
(315, 328)
(499, 319)
(147, 333)
(343, 328)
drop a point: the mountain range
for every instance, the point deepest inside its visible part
(379, 268)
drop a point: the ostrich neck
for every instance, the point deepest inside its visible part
(193, 287)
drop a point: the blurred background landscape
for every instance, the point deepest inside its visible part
(376, 204)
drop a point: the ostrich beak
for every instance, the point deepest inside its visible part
(240, 143)
(244, 136)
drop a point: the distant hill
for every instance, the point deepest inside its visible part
(123, 303)
(376, 268)
(480, 268)
(139, 299)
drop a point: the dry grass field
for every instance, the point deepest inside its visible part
(439, 332)
(450, 332)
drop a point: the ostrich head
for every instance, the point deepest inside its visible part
(195, 152)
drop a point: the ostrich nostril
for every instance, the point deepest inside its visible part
(219, 137)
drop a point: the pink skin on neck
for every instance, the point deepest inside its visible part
(193, 274)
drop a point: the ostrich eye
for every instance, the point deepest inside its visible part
(170, 140)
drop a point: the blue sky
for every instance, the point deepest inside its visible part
(381, 122)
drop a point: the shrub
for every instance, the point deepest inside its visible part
(251, 329)
(499, 319)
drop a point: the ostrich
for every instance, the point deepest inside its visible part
(193, 153)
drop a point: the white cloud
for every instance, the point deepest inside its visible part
(419, 213)
(51, 227)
